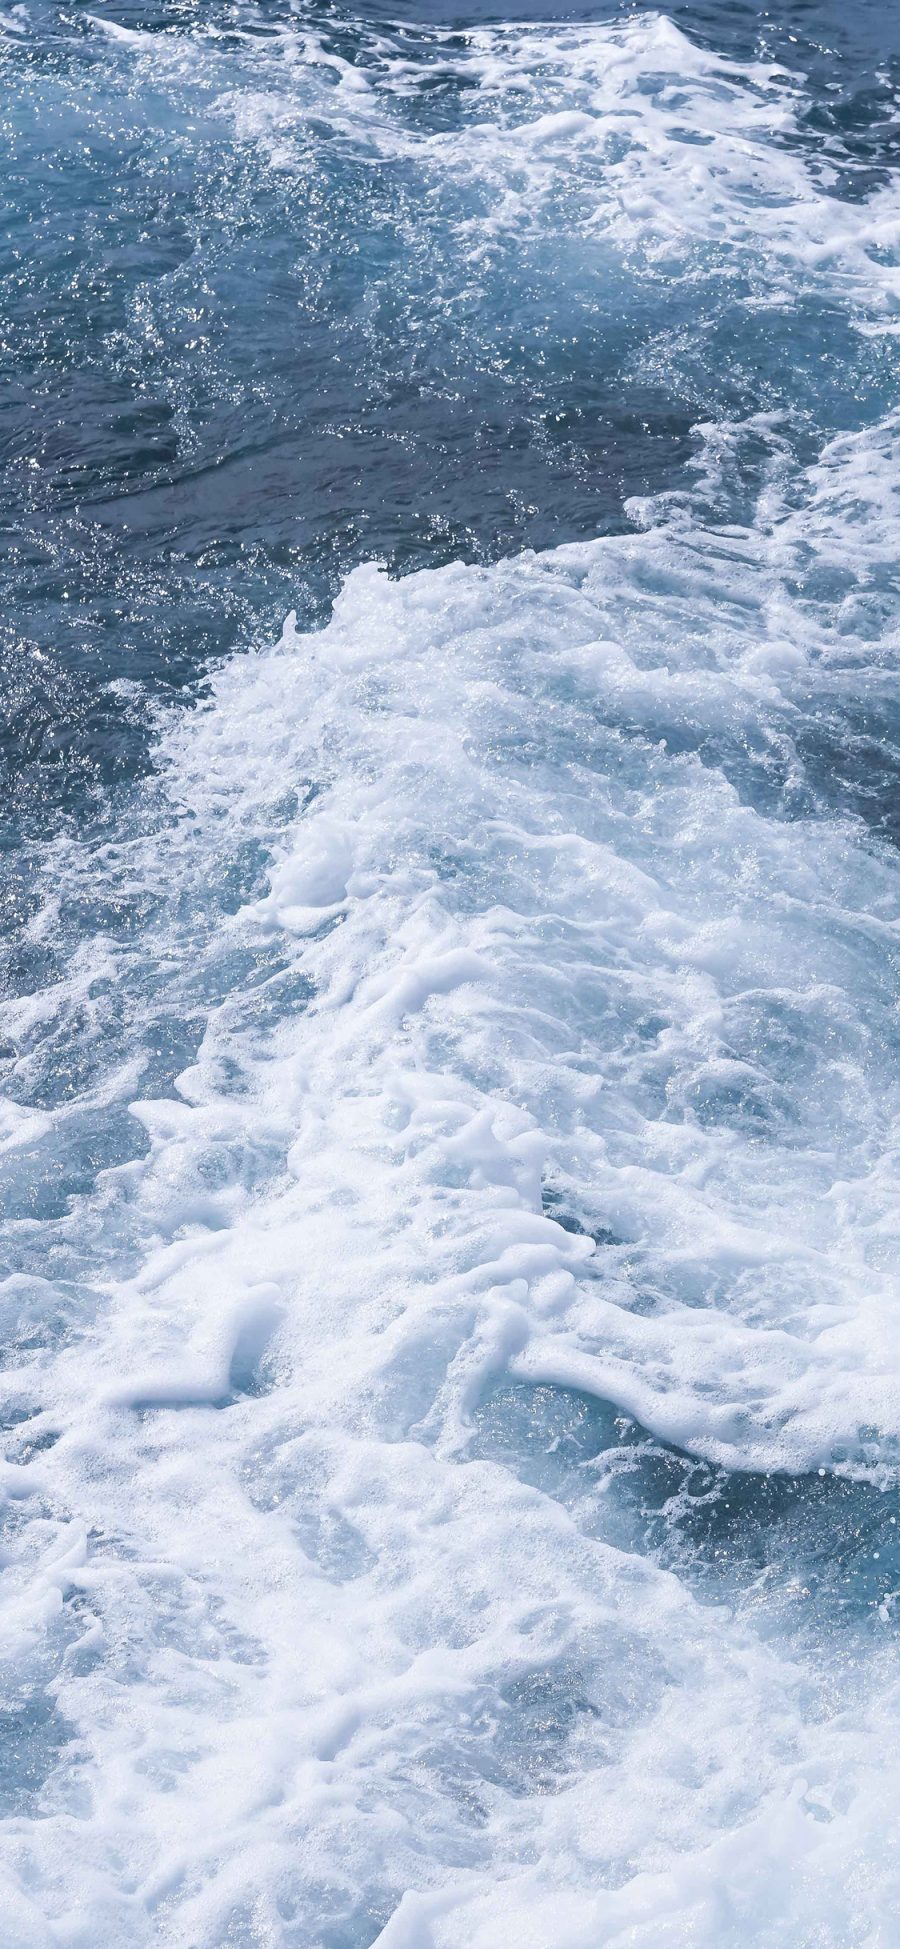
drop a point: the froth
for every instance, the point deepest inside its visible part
(495, 988)
(555, 959)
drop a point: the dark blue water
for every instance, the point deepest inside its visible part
(220, 391)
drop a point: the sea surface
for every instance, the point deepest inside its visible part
(450, 958)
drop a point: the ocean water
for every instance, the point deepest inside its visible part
(450, 917)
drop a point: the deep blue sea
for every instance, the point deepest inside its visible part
(450, 975)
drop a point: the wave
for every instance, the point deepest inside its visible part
(495, 989)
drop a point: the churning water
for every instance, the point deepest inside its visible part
(450, 1098)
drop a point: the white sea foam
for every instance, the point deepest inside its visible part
(535, 906)
(626, 136)
(543, 949)
(629, 137)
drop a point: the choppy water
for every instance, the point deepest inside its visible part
(450, 1117)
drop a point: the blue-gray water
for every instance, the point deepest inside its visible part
(224, 386)
(449, 1081)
